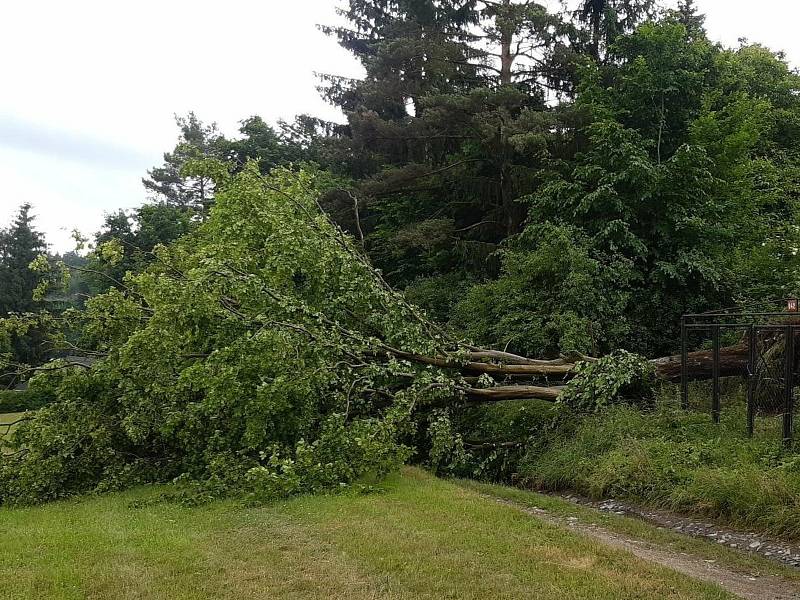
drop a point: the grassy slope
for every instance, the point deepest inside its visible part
(422, 538)
(678, 460)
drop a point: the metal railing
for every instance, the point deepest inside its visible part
(772, 379)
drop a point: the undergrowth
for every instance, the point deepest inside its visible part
(667, 457)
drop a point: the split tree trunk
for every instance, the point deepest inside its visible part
(733, 362)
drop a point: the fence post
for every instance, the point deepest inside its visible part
(788, 408)
(715, 410)
(751, 379)
(684, 366)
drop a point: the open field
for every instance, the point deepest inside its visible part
(420, 538)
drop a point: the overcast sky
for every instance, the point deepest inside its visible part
(90, 87)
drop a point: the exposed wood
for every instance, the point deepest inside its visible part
(471, 445)
(733, 361)
(479, 354)
(513, 392)
(488, 368)
(700, 366)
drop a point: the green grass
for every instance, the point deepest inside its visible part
(420, 538)
(678, 460)
(4, 420)
(638, 529)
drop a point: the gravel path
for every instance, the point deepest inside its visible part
(743, 585)
(776, 550)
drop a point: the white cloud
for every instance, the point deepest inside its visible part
(90, 87)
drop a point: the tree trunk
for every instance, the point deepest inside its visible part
(506, 57)
(733, 361)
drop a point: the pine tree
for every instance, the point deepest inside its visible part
(447, 129)
(167, 183)
(608, 19)
(19, 246)
(690, 18)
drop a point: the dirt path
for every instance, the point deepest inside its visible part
(770, 548)
(750, 587)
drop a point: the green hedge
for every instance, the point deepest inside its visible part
(19, 401)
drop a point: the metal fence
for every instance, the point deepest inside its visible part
(765, 354)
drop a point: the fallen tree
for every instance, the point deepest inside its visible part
(261, 353)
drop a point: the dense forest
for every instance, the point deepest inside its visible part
(301, 305)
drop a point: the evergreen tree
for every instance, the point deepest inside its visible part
(446, 132)
(169, 184)
(19, 246)
(689, 17)
(608, 19)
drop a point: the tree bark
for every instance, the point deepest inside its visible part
(513, 392)
(733, 361)
(506, 56)
(536, 369)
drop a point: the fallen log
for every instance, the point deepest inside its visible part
(700, 365)
(543, 368)
(733, 361)
(513, 392)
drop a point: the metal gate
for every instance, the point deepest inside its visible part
(766, 355)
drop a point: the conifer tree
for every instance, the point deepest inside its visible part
(449, 125)
(167, 183)
(19, 246)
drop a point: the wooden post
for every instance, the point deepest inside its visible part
(788, 408)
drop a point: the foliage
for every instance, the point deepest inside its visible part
(242, 358)
(675, 459)
(552, 297)
(168, 183)
(615, 378)
(193, 192)
(19, 246)
(682, 194)
(126, 242)
(447, 445)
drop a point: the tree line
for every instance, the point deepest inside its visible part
(542, 181)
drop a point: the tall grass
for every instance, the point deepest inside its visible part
(679, 460)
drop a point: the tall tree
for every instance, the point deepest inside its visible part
(126, 241)
(19, 246)
(682, 198)
(608, 19)
(169, 183)
(449, 127)
(689, 17)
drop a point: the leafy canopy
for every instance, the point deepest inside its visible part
(248, 355)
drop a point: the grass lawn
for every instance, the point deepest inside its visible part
(6, 418)
(420, 538)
